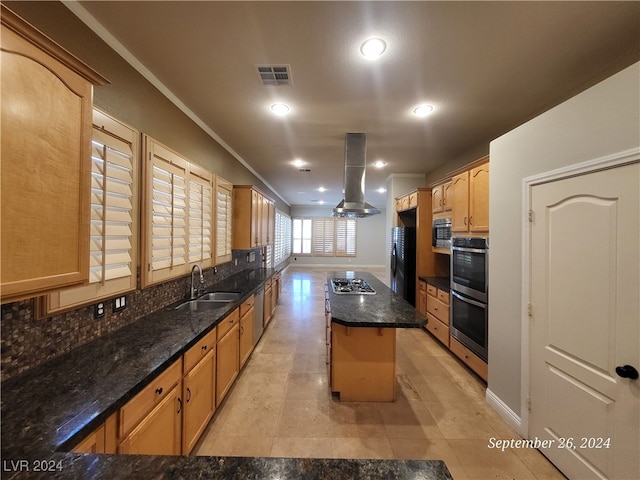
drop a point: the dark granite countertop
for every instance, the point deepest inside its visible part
(443, 283)
(49, 409)
(384, 309)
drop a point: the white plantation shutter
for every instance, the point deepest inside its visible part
(112, 185)
(346, 237)
(200, 218)
(114, 215)
(323, 236)
(224, 193)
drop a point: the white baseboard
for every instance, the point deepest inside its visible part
(502, 409)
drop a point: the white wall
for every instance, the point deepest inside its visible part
(602, 120)
(370, 241)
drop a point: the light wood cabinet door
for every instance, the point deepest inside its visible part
(45, 173)
(199, 400)
(446, 197)
(227, 365)
(437, 203)
(160, 433)
(268, 309)
(479, 199)
(94, 443)
(460, 203)
(246, 335)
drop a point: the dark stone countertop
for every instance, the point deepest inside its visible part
(49, 409)
(385, 309)
(443, 283)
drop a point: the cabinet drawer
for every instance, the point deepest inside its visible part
(199, 350)
(438, 329)
(422, 286)
(431, 290)
(136, 408)
(438, 309)
(246, 305)
(474, 362)
(443, 296)
(228, 322)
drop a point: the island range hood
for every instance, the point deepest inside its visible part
(353, 205)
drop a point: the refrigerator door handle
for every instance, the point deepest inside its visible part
(394, 261)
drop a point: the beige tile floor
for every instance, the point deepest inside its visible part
(281, 406)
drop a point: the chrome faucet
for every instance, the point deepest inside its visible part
(196, 290)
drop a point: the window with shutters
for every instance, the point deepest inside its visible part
(223, 215)
(114, 216)
(323, 237)
(282, 245)
(178, 223)
(200, 216)
(346, 237)
(301, 236)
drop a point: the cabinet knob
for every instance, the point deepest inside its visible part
(204, 347)
(471, 220)
(159, 391)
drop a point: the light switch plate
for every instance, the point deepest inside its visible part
(119, 303)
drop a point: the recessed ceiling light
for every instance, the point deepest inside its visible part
(322, 189)
(280, 109)
(379, 163)
(298, 163)
(373, 47)
(423, 110)
(381, 190)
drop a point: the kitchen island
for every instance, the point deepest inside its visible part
(361, 335)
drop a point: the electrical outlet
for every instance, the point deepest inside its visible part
(119, 303)
(98, 310)
(235, 262)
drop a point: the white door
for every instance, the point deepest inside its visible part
(585, 290)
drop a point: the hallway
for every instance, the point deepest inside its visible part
(281, 405)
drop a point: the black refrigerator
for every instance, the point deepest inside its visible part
(403, 263)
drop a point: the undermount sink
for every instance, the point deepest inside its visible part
(202, 305)
(209, 301)
(220, 296)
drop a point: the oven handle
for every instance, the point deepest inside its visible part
(472, 250)
(468, 300)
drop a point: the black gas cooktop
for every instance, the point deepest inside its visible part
(351, 286)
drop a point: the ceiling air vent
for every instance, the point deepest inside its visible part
(274, 75)
(304, 170)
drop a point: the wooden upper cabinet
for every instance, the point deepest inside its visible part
(479, 199)
(253, 218)
(441, 198)
(470, 200)
(46, 101)
(460, 202)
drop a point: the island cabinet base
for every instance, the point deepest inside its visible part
(363, 363)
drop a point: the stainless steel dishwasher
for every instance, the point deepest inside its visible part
(258, 310)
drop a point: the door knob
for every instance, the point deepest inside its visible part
(627, 371)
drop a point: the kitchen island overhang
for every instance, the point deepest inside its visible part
(361, 339)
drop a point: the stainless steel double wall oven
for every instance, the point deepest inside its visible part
(470, 293)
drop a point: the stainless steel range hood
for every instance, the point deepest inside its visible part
(353, 205)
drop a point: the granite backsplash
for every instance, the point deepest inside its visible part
(28, 341)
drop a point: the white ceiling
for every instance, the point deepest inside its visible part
(486, 67)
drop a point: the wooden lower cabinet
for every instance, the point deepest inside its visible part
(422, 298)
(199, 399)
(228, 364)
(160, 433)
(437, 307)
(474, 362)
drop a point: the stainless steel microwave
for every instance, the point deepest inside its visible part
(441, 233)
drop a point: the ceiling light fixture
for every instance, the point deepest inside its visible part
(423, 110)
(373, 47)
(280, 109)
(298, 163)
(381, 190)
(322, 189)
(379, 163)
